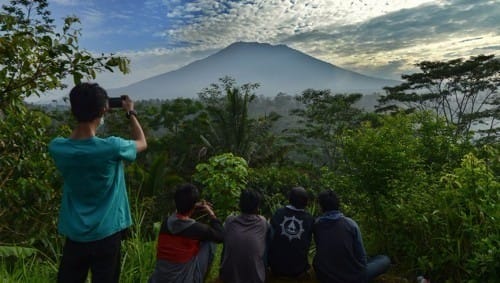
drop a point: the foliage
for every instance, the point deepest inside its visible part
(29, 269)
(16, 251)
(470, 214)
(377, 155)
(35, 58)
(451, 225)
(275, 182)
(223, 178)
(392, 156)
(139, 250)
(29, 184)
(465, 93)
(231, 128)
(324, 120)
(177, 122)
(401, 177)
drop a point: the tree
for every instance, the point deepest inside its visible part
(179, 124)
(465, 93)
(389, 159)
(224, 176)
(231, 128)
(325, 118)
(35, 57)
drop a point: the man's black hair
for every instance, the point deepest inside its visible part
(249, 201)
(186, 196)
(87, 101)
(328, 200)
(298, 197)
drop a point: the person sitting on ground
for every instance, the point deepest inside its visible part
(243, 256)
(340, 255)
(292, 233)
(185, 246)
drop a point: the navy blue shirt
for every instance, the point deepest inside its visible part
(292, 234)
(340, 255)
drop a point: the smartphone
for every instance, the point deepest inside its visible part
(115, 102)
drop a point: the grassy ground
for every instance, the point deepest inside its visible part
(387, 278)
(310, 278)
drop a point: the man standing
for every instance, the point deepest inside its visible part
(94, 207)
(185, 246)
(246, 236)
(292, 233)
(340, 254)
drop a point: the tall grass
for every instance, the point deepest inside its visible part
(31, 269)
(138, 252)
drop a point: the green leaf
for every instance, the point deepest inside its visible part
(16, 251)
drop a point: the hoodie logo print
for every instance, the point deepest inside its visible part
(291, 228)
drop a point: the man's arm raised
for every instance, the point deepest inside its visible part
(137, 132)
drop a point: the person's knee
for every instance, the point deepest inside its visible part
(385, 261)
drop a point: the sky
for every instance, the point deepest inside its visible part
(381, 38)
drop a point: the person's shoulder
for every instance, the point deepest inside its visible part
(279, 211)
(300, 213)
(261, 218)
(113, 139)
(306, 217)
(198, 224)
(351, 222)
(230, 219)
(117, 142)
(57, 141)
(57, 144)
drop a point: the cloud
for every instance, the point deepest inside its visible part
(383, 38)
(92, 17)
(66, 2)
(353, 34)
(151, 62)
(441, 31)
(209, 22)
(378, 38)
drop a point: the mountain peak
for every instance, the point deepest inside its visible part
(277, 68)
(243, 44)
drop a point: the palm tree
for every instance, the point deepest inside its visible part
(231, 128)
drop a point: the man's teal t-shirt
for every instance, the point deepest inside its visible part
(94, 202)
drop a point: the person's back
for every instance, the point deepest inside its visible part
(93, 181)
(185, 246)
(292, 233)
(95, 212)
(243, 258)
(338, 255)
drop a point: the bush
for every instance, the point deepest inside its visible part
(29, 185)
(449, 228)
(223, 178)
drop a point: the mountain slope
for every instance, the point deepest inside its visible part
(276, 68)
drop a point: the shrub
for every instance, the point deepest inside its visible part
(223, 178)
(448, 228)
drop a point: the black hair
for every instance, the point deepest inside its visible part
(298, 197)
(87, 101)
(328, 200)
(249, 201)
(186, 196)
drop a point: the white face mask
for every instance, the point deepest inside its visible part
(101, 123)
